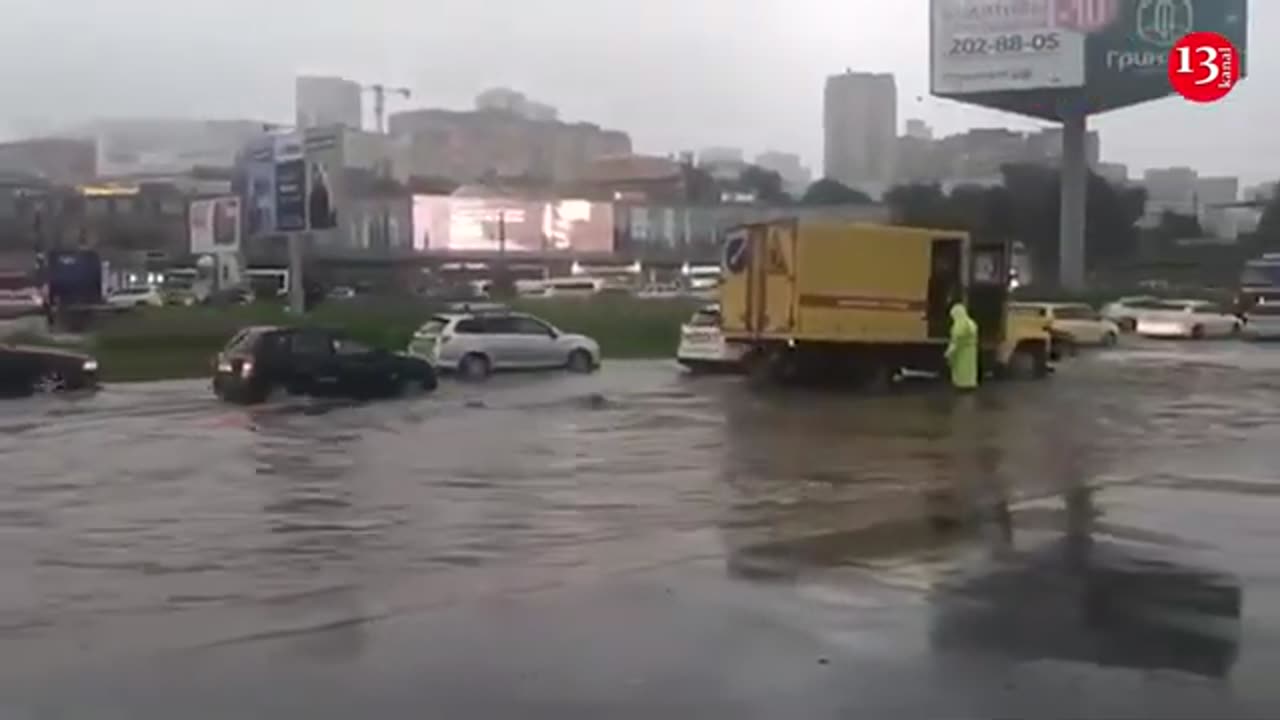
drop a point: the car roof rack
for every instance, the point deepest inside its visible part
(478, 307)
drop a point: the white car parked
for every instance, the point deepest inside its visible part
(702, 345)
(477, 343)
(133, 297)
(1192, 319)
(1125, 311)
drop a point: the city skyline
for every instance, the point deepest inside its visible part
(654, 75)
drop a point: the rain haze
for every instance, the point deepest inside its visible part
(509, 407)
(676, 75)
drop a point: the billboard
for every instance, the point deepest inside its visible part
(260, 183)
(444, 223)
(1003, 45)
(215, 225)
(1043, 58)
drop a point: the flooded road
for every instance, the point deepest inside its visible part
(643, 544)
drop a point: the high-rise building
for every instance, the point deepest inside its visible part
(326, 101)
(860, 130)
(795, 176)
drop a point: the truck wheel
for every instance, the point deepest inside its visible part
(1028, 363)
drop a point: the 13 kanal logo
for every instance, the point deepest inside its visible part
(1204, 67)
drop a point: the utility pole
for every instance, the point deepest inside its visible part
(380, 102)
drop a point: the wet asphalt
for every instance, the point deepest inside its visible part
(643, 544)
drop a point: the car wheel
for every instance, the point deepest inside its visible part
(580, 361)
(430, 382)
(1197, 332)
(1128, 325)
(1110, 340)
(50, 381)
(474, 367)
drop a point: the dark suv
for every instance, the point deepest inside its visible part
(312, 361)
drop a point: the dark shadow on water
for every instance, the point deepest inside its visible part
(938, 480)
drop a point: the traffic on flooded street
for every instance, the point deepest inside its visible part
(642, 542)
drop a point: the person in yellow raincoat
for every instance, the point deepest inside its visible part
(962, 351)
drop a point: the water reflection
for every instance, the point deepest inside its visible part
(1086, 599)
(994, 504)
(313, 509)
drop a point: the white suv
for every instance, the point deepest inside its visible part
(475, 344)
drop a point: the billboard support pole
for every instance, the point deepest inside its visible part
(297, 296)
(1075, 184)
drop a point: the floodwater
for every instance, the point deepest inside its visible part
(643, 544)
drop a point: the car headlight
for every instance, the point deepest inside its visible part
(90, 365)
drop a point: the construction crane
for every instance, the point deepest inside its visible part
(380, 101)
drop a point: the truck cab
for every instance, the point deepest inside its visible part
(1013, 344)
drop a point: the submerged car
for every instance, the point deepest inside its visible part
(1189, 319)
(1077, 323)
(1125, 311)
(702, 344)
(477, 342)
(312, 361)
(26, 370)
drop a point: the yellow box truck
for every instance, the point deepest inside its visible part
(864, 301)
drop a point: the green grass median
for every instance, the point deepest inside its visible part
(180, 342)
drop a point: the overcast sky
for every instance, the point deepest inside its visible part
(676, 74)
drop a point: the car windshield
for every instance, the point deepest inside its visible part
(434, 327)
(705, 318)
(347, 346)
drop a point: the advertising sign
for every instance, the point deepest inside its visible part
(215, 225)
(324, 162)
(290, 184)
(1044, 57)
(260, 179)
(470, 224)
(1001, 45)
(1128, 61)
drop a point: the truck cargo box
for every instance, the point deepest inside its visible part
(832, 282)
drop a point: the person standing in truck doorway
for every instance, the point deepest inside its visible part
(962, 350)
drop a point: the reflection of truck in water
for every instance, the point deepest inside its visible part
(864, 302)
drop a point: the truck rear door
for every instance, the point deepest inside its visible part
(775, 269)
(946, 284)
(989, 288)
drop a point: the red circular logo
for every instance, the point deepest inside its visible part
(1204, 67)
